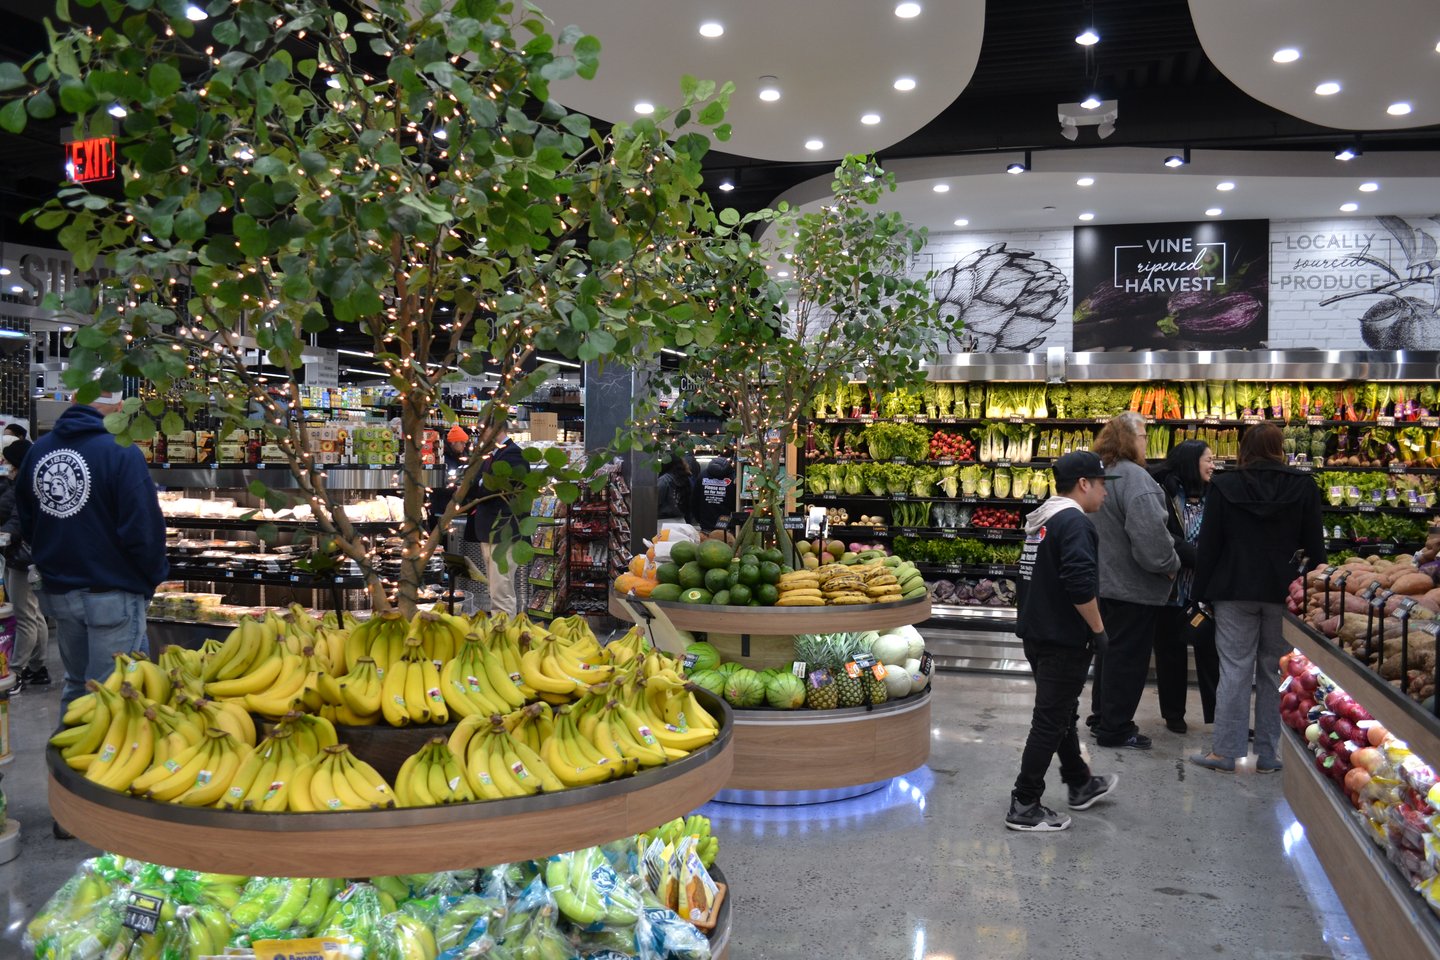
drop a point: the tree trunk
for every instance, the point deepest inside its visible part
(412, 529)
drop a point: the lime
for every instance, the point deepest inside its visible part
(682, 552)
(691, 575)
(739, 595)
(697, 595)
(769, 572)
(721, 599)
(749, 574)
(667, 573)
(717, 580)
(768, 594)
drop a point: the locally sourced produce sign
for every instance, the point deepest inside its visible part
(540, 711)
(1172, 286)
(830, 670)
(640, 898)
(1394, 790)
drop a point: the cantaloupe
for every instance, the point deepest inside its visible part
(897, 681)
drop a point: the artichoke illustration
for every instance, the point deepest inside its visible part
(1006, 299)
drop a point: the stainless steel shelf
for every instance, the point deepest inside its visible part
(277, 476)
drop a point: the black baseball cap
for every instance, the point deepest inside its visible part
(1081, 464)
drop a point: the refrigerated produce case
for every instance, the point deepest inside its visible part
(940, 506)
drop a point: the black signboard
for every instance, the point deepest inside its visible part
(1172, 286)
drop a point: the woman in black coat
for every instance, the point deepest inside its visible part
(1185, 478)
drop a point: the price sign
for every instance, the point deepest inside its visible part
(1210, 421)
(1385, 421)
(1314, 421)
(864, 660)
(819, 678)
(1430, 422)
(944, 462)
(949, 534)
(1002, 463)
(798, 668)
(927, 663)
(989, 534)
(948, 420)
(1367, 508)
(1396, 467)
(687, 662)
(1251, 419)
(1385, 549)
(794, 523)
(900, 460)
(142, 913)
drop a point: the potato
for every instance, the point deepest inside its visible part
(1413, 584)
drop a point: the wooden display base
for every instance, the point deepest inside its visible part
(1392, 920)
(806, 753)
(409, 840)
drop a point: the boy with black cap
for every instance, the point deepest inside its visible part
(1059, 622)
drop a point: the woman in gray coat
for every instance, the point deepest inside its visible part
(1138, 564)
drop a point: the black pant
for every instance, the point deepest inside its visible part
(1173, 635)
(1059, 681)
(1120, 674)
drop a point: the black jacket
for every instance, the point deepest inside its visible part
(1175, 496)
(1059, 568)
(493, 518)
(672, 497)
(1255, 521)
(17, 554)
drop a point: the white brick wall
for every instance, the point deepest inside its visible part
(1310, 261)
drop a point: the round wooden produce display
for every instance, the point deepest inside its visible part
(406, 840)
(785, 621)
(787, 757)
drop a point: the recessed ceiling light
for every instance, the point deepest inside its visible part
(1088, 38)
(962, 222)
(905, 83)
(1398, 109)
(1087, 216)
(1214, 212)
(814, 144)
(1015, 167)
(769, 92)
(1370, 186)
(644, 107)
(906, 11)
(1091, 102)
(727, 186)
(712, 29)
(1346, 153)
(941, 188)
(1328, 88)
(1085, 182)
(1225, 185)
(1350, 207)
(1174, 160)
(1285, 55)
(17, 289)
(870, 119)
(4, 271)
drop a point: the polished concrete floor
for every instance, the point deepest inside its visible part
(1182, 863)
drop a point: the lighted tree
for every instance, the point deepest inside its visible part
(405, 173)
(820, 299)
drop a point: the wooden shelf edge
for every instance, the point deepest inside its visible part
(1392, 920)
(1399, 714)
(781, 621)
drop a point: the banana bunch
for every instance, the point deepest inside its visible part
(410, 938)
(629, 647)
(841, 584)
(575, 759)
(573, 629)
(500, 763)
(175, 657)
(246, 646)
(197, 931)
(381, 638)
(439, 634)
(531, 934)
(912, 584)
(72, 903)
(476, 682)
(116, 744)
(359, 695)
(279, 905)
(198, 776)
(338, 780)
(229, 715)
(454, 925)
(706, 844)
(800, 589)
(881, 586)
(432, 776)
(587, 889)
(559, 669)
(410, 691)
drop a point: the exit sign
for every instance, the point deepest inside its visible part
(89, 160)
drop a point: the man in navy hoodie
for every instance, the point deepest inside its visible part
(88, 509)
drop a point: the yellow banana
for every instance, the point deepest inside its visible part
(531, 669)
(434, 697)
(392, 696)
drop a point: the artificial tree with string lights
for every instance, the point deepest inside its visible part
(404, 172)
(820, 298)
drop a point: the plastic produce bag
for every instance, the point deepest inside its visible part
(88, 934)
(589, 892)
(465, 925)
(662, 934)
(530, 930)
(282, 908)
(355, 913)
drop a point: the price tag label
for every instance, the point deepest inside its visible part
(261, 466)
(1250, 419)
(864, 660)
(230, 574)
(988, 534)
(1367, 508)
(1315, 421)
(945, 462)
(900, 460)
(1002, 463)
(1017, 420)
(820, 677)
(794, 523)
(142, 913)
(1396, 466)
(852, 669)
(1210, 421)
(798, 668)
(1385, 421)
(927, 663)
(687, 662)
(969, 499)
(164, 466)
(830, 420)
(948, 420)
(878, 671)
(1430, 422)
(1305, 467)
(949, 534)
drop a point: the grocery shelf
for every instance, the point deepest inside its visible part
(228, 523)
(936, 533)
(1398, 713)
(779, 621)
(865, 420)
(1008, 570)
(407, 840)
(277, 476)
(907, 498)
(999, 616)
(299, 580)
(1392, 919)
(1386, 548)
(1416, 510)
(785, 757)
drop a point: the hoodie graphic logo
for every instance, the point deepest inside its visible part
(62, 483)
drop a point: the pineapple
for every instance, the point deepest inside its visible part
(875, 690)
(816, 654)
(851, 691)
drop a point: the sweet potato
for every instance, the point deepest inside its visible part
(1348, 602)
(1421, 657)
(1360, 582)
(1413, 584)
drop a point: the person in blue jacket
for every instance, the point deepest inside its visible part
(89, 511)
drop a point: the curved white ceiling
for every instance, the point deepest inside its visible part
(1133, 186)
(833, 62)
(1379, 53)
